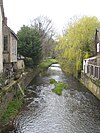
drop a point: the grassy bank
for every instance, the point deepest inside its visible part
(46, 63)
(12, 110)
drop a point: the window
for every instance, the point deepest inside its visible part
(14, 46)
(98, 47)
(5, 43)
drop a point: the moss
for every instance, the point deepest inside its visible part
(59, 87)
(53, 81)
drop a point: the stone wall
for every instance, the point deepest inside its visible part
(20, 64)
(92, 85)
(27, 77)
(12, 89)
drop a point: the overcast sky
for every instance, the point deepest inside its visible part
(21, 12)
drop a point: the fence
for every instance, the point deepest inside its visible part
(93, 70)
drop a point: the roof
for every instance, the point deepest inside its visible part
(2, 9)
(12, 32)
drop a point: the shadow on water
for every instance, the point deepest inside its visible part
(76, 111)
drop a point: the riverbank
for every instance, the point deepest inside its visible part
(12, 92)
(91, 84)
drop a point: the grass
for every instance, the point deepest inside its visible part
(46, 63)
(12, 110)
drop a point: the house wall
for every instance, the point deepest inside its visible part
(1, 43)
(20, 64)
(13, 48)
(11, 54)
(92, 85)
(6, 55)
(98, 61)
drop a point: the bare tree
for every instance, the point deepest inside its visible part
(46, 30)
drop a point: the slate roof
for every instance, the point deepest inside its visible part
(12, 32)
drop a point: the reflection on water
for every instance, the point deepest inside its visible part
(76, 111)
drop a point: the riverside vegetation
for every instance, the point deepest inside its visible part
(12, 110)
(16, 104)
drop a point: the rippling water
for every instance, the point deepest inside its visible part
(76, 111)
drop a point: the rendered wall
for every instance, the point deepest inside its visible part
(92, 85)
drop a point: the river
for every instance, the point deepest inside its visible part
(76, 111)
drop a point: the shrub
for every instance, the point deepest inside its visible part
(28, 62)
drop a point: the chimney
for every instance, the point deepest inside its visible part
(5, 20)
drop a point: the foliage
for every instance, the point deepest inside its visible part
(44, 25)
(29, 43)
(77, 43)
(46, 31)
(28, 62)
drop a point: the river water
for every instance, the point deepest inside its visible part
(76, 111)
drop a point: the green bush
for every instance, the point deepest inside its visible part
(29, 62)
